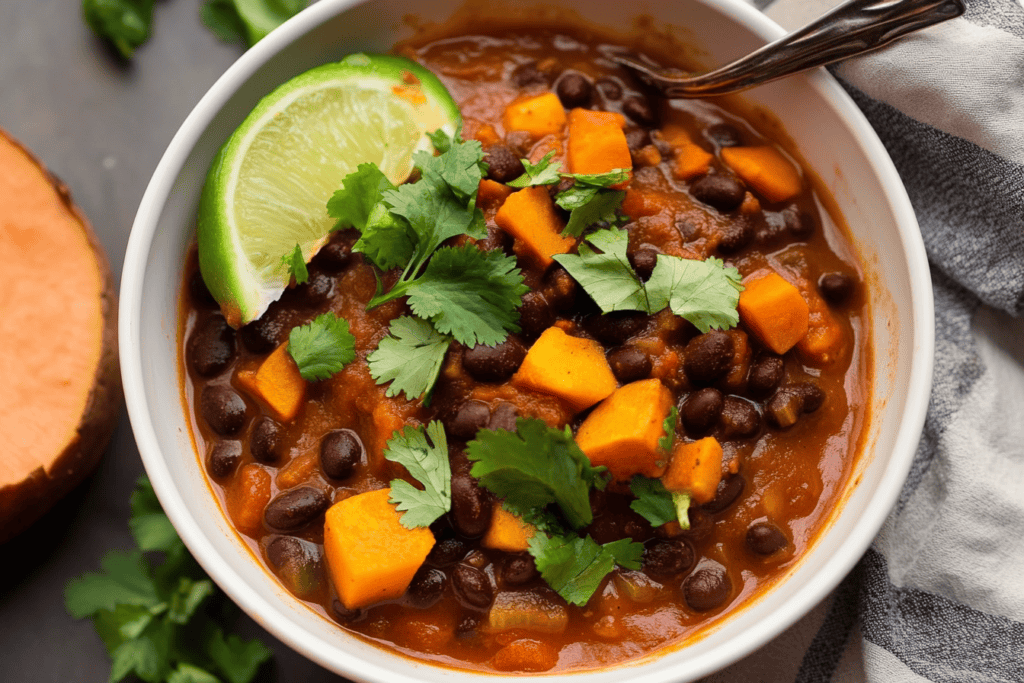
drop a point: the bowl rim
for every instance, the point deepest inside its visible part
(316, 648)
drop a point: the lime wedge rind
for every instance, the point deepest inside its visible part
(268, 186)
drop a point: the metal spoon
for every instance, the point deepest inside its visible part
(852, 28)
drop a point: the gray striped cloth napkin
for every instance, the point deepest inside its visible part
(939, 596)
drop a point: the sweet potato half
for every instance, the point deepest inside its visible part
(58, 360)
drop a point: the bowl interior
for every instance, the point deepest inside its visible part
(833, 139)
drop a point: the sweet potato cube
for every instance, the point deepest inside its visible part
(596, 142)
(691, 161)
(774, 311)
(572, 368)
(696, 468)
(622, 433)
(508, 532)
(529, 216)
(765, 170)
(539, 116)
(371, 556)
(492, 193)
(277, 383)
(824, 342)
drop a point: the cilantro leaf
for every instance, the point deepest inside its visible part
(544, 172)
(186, 673)
(427, 462)
(471, 294)
(410, 357)
(125, 23)
(616, 176)
(704, 292)
(360, 192)
(237, 659)
(534, 467)
(653, 502)
(574, 566)
(295, 262)
(126, 579)
(669, 425)
(460, 167)
(387, 239)
(187, 598)
(608, 277)
(601, 207)
(149, 525)
(323, 347)
(247, 20)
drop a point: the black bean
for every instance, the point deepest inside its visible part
(812, 394)
(426, 587)
(223, 458)
(707, 588)
(471, 507)
(341, 451)
(503, 417)
(668, 557)
(560, 288)
(472, 586)
(708, 356)
(637, 139)
(720, 190)
(765, 375)
(295, 508)
(686, 229)
(836, 288)
(265, 439)
(316, 291)
(629, 364)
(613, 329)
(503, 164)
(334, 257)
(701, 410)
(536, 314)
(519, 570)
(764, 538)
(724, 135)
(735, 236)
(740, 418)
(701, 524)
(471, 417)
(265, 334)
(574, 90)
(640, 110)
(494, 363)
(496, 240)
(222, 408)
(447, 552)
(467, 626)
(800, 223)
(343, 614)
(729, 489)
(212, 346)
(644, 261)
(528, 74)
(199, 292)
(280, 550)
(609, 88)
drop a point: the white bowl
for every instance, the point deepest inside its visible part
(835, 140)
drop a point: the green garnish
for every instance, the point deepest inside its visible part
(574, 566)
(544, 172)
(658, 505)
(410, 357)
(596, 208)
(427, 462)
(322, 348)
(703, 292)
(156, 620)
(247, 21)
(125, 23)
(360, 192)
(535, 467)
(669, 425)
(296, 265)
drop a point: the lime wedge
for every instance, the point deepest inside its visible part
(268, 186)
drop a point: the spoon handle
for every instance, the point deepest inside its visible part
(850, 29)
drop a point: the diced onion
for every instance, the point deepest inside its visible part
(528, 611)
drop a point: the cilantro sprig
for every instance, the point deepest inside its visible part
(574, 566)
(657, 504)
(295, 262)
(427, 462)
(410, 357)
(323, 347)
(157, 619)
(705, 293)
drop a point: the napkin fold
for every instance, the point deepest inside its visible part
(939, 596)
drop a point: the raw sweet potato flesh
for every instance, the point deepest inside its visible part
(59, 356)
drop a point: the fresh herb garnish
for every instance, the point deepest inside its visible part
(322, 348)
(535, 467)
(125, 23)
(544, 172)
(156, 620)
(574, 566)
(296, 265)
(657, 504)
(703, 292)
(427, 462)
(669, 425)
(360, 192)
(247, 21)
(410, 357)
